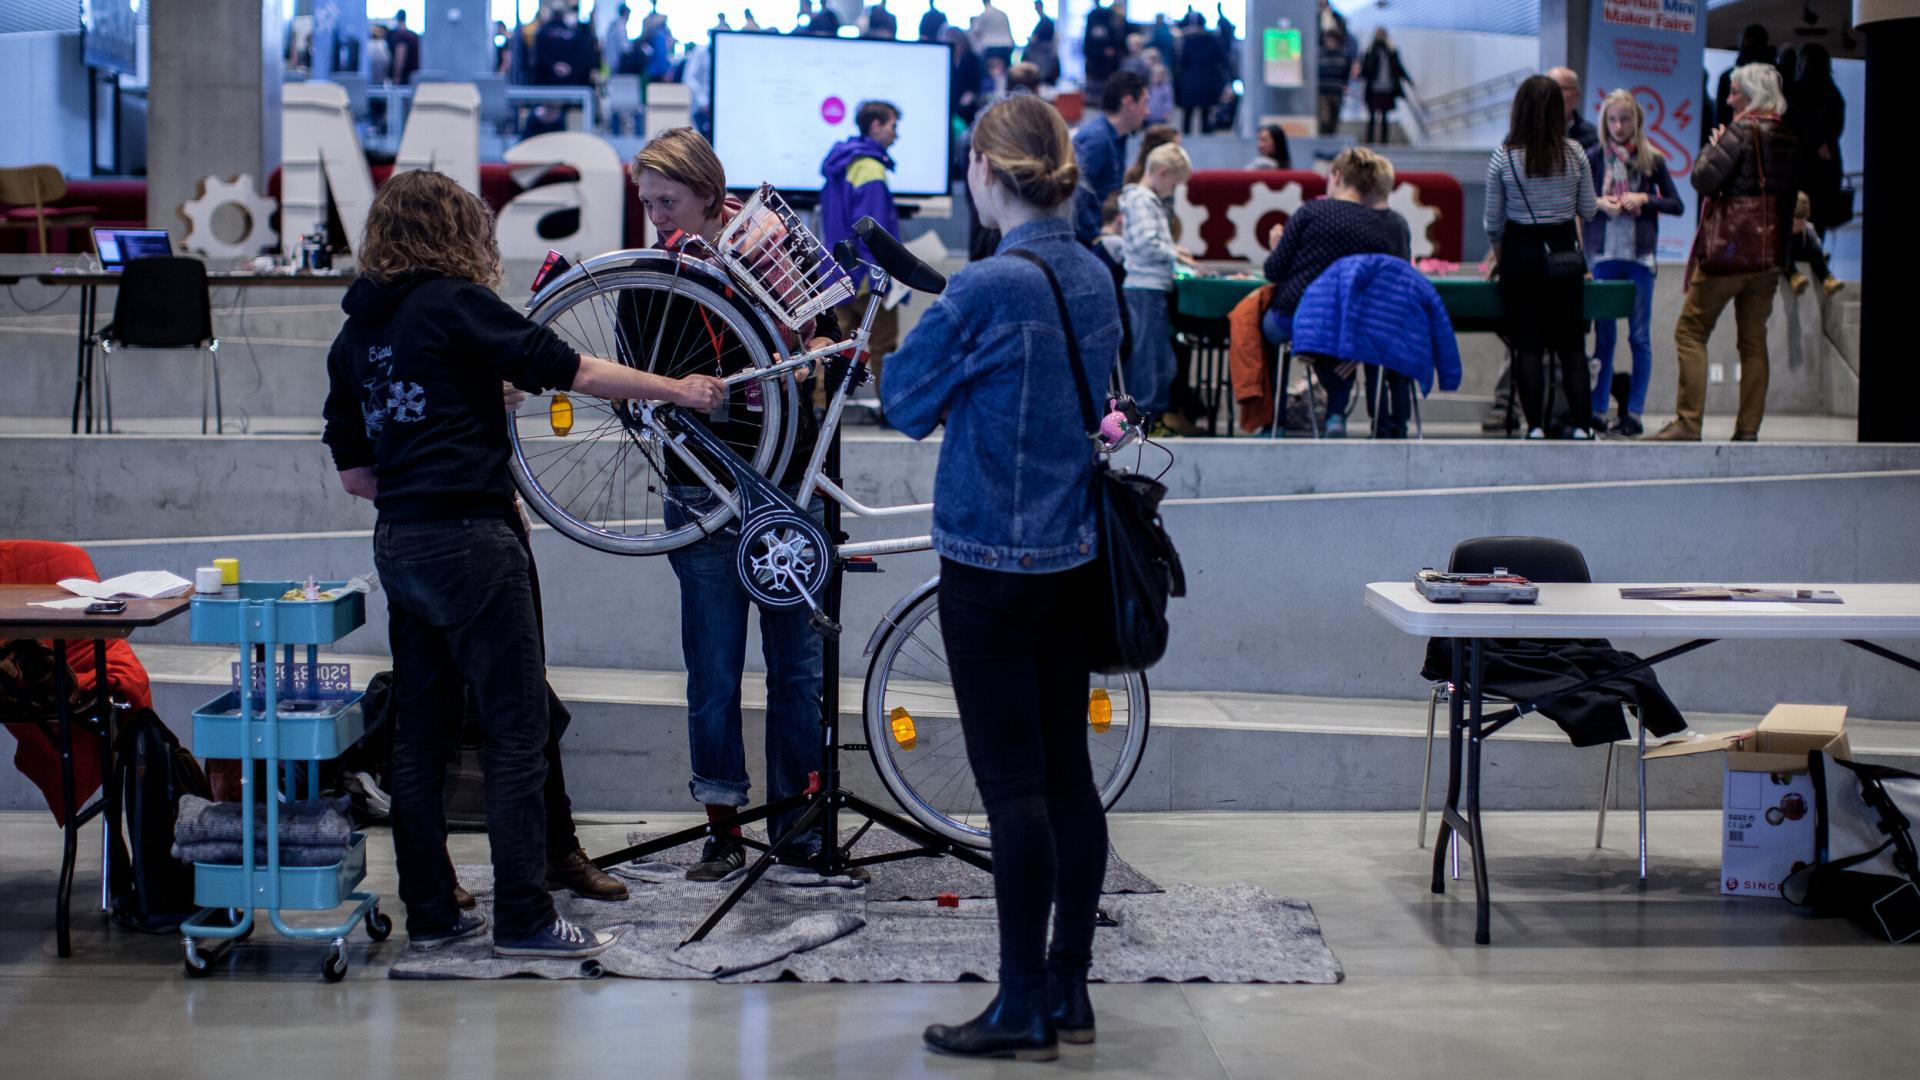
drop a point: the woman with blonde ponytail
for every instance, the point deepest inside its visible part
(1013, 521)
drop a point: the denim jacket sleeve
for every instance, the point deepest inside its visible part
(942, 352)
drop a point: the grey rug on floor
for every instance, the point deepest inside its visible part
(918, 879)
(795, 926)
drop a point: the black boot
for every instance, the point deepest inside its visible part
(1068, 1005)
(1014, 1026)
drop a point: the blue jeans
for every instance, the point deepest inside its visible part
(713, 640)
(1639, 336)
(460, 610)
(1391, 422)
(1150, 366)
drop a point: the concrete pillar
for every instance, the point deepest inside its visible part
(213, 94)
(457, 38)
(1565, 26)
(1889, 379)
(1261, 99)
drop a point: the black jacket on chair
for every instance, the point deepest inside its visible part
(1520, 669)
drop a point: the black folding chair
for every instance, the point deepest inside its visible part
(163, 303)
(1539, 559)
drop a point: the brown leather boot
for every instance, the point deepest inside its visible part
(576, 873)
(464, 898)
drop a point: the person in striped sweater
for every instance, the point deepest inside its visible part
(1149, 254)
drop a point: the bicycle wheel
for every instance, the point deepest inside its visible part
(590, 467)
(913, 726)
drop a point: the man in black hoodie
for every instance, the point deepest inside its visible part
(415, 422)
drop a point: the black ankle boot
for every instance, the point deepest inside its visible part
(1068, 1005)
(1014, 1026)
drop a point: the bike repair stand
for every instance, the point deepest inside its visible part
(824, 799)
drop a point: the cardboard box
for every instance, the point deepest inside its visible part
(1766, 798)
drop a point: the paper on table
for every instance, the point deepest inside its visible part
(139, 585)
(71, 603)
(1757, 606)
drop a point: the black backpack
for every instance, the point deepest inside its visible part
(153, 771)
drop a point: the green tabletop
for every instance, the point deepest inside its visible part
(1472, 302)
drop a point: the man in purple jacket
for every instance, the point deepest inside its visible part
(856, 187)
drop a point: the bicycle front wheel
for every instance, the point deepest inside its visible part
(592, 468)
(913, 727)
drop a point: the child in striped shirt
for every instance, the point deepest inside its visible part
(1149, 253)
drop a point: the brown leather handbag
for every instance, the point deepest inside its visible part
(1740, 234)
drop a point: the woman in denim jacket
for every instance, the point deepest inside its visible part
(1013, 521)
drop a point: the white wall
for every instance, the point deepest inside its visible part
(44, 87)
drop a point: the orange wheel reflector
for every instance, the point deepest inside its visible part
(901, 722)
(560, 414)
(1100, 710)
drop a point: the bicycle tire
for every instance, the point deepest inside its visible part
(951, 809)
(685, 317)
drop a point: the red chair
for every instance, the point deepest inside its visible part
(40, 562)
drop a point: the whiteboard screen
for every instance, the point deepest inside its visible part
(780, 102)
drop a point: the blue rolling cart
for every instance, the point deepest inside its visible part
(242, 726)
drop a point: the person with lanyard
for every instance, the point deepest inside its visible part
(683, 188)
(415, 422)
(1009, 359)
(1099, 148)
(1634, 188)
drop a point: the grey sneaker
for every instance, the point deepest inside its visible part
(561, 940)
(470, 924)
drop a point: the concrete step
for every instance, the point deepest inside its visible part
(627, 747)
(1276, 582)
(174, 484)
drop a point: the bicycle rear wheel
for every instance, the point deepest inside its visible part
(913, 727)
(592, 468)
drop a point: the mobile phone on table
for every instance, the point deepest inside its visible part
(106, 607)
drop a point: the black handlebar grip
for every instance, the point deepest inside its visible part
(893, 257)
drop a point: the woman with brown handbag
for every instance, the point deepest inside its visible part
(1746, 186)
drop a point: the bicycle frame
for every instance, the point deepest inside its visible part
(812, 482)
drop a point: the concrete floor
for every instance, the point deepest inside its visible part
(1590, 975)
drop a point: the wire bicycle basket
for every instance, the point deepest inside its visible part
(780, 261)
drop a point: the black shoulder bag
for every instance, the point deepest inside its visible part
(1137, 560)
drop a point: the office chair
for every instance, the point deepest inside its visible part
(163, 303)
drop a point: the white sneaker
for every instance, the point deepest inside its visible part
(1536, 433)
(1579, 433)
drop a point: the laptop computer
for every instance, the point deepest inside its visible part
(118, 247)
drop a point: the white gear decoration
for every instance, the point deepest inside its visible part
(1191, 217)
(215, 193)
(1406, 200)
(1262, 199)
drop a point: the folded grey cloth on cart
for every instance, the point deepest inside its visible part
(320, 825)
(227, 853)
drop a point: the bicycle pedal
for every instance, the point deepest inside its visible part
(824, 626)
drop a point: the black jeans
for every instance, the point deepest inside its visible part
(1017, 651)
(461, 613)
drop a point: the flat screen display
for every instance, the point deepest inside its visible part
(111, 40)
(780, 102)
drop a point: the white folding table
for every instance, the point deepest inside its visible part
(1598, 611)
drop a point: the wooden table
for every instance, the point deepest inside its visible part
(90, 281)
(18, 619)
(1598, 611)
